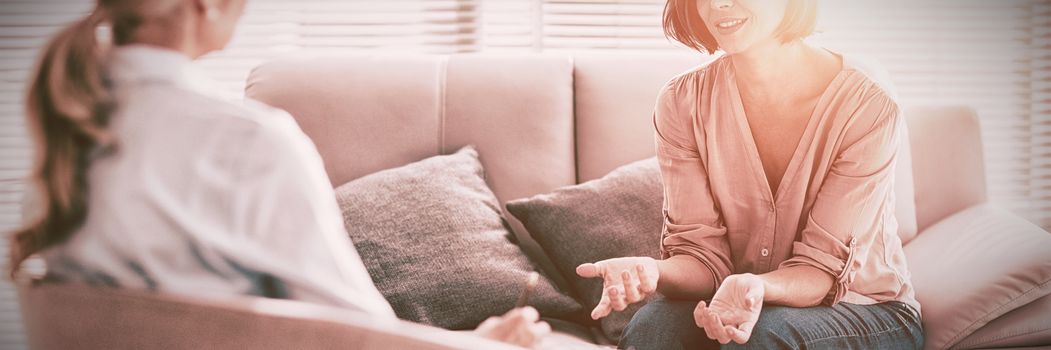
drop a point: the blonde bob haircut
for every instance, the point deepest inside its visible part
(682, 23)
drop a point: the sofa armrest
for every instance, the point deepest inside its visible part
(975, 266)
(84, 317)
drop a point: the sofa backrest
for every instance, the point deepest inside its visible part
(539, 121)
(369, 113)
(948, 161)
(614, 98)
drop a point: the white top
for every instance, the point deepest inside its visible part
(207, 196)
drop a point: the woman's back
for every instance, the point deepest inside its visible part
(201, 195)
(146, 179)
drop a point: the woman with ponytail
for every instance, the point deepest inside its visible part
(145, 178)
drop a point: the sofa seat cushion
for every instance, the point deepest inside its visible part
(974, 267)
(1029, 325)
(615, 216)
(434, 240)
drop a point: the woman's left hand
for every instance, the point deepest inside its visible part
(734, 309)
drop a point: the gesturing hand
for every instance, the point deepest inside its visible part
(734, 309)
(624, 281)
(520, 326)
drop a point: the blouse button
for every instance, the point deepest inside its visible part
(765, 252)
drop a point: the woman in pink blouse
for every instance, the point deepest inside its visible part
(778, 166)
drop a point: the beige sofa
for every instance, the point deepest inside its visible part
(539, 122)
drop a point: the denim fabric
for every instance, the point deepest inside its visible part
(668, 324)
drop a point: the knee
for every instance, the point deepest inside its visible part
(661, 324)
(647, 320)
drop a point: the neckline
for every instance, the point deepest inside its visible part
(133, 66)
(138, 62)
(755, 162)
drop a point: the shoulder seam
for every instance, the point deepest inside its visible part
(871, 77)
(700, 69)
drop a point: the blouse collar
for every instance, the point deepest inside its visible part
(144, 64)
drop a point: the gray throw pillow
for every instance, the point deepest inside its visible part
(615, 216)
(437, 246)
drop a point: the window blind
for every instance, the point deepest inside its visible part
(632, 25)
(992, 55)
(25, 25)
(272, 28)
(1039, 126)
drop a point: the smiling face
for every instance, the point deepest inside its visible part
(738, 25)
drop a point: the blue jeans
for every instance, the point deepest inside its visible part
(668, 324)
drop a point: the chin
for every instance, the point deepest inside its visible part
(732, 48)
(742, 45)
(734, 45)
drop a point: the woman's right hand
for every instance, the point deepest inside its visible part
(520, 326)
(625, 281)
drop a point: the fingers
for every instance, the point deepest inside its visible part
(527, 314)
(621, 287)
(646, 286)
(592, 270)
(518, 320)
(616, 298)
(718, 329)
(746, 327)
(631, 287)
(700, 317)
(737, 335)
(510, 321)
(487, 326)
(603, 308)
(713, 326)
(532, 329)
(495, 328)
(540, 330)
(740, 335)
(753, 298)
(520, 316)
(529, 336)
(522, 326)
(589, 270)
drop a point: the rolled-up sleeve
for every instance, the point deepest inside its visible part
(693, 225)
(854, 201)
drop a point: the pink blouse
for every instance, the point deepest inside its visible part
(834, 209)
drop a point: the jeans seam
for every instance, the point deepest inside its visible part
(809, 342)
(865, 335)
